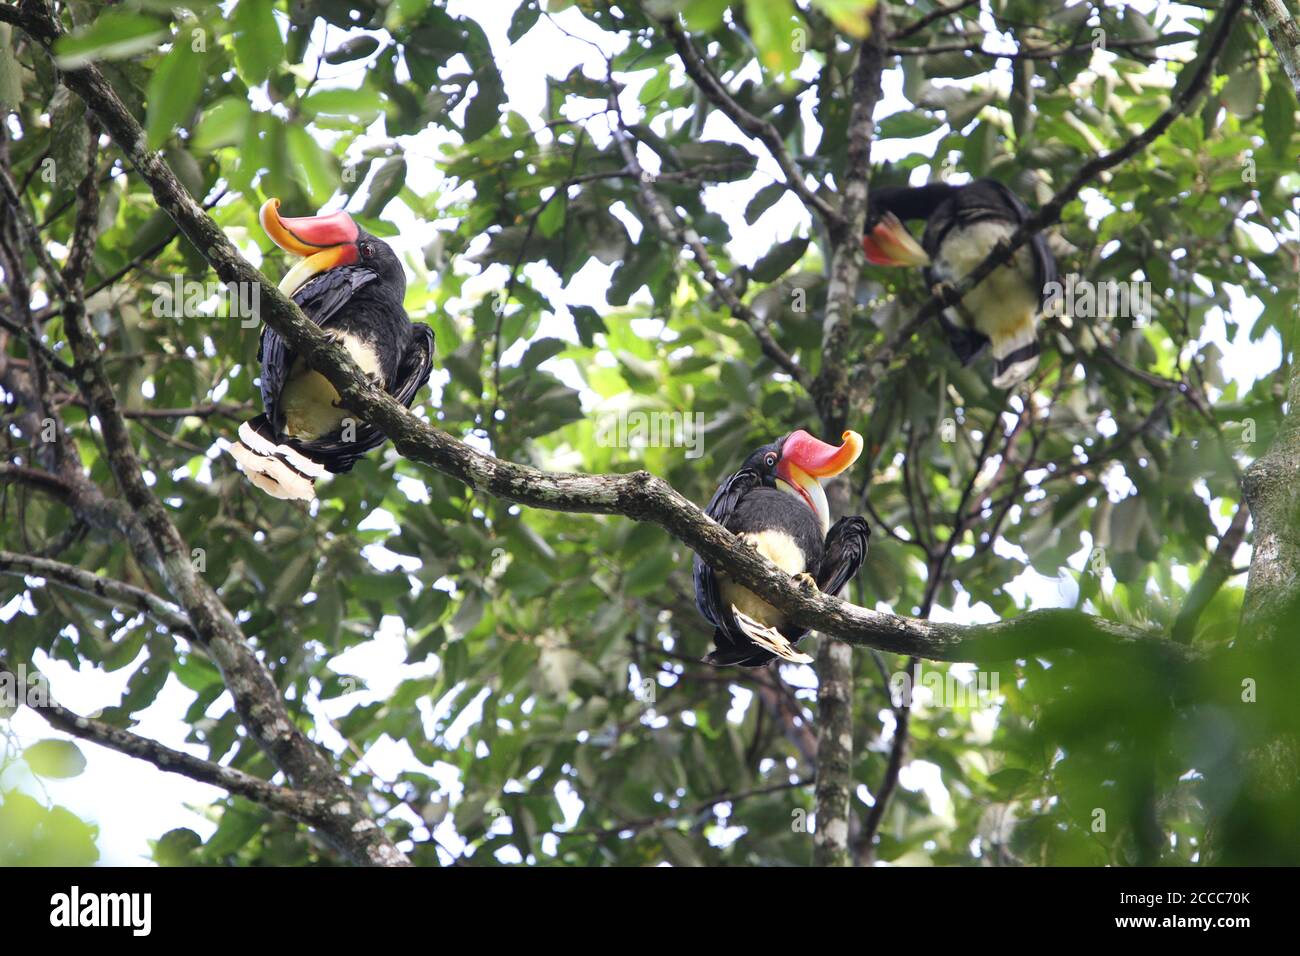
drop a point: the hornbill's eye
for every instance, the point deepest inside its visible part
(771, 460)
(367, 249)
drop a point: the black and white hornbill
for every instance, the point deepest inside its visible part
(962, 225)
(351, 285)
(776, 503)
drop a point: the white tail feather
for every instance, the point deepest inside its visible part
(278, 470)
(1006, 344)
(768, 638)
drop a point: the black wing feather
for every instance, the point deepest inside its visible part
(720, 510)
(339, 456)
(320, 298)
(846, 548)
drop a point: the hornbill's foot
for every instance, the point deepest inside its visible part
(942, 289)
(805, 581)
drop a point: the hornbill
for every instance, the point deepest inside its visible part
(351, 285)
(777, 505)
(962, 225)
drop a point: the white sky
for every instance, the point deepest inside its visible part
(134, 802)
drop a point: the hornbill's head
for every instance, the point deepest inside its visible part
(802, 465)
(329, 242)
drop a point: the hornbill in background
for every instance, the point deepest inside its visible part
(962, 225)
(351, 285)
(776, 503)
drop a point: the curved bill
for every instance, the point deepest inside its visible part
(890, 244)
(324, 242)
(808, 463)
(818, 459)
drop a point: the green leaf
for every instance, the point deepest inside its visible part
(32, 835)
(388, 182)
(312, 166)
(1279, 116)
(174, 90)
(552, 217)
(705, 16)
(540, 351)
(259, 47)
(238, 825)
(851, 16)
(11, 85)
(588, 322)
(525, 17)
(174, 848)
(485, 109)
(763, 200)
(774, 23)
(779, 258)
(224, 123)
(363, 104)
(906, 125)
(717, 160)
(356, 48)
(55, 758)
(113, 35)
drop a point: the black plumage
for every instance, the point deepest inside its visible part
(752, 505)
(353, 289)
(962, 225)
(363, 302)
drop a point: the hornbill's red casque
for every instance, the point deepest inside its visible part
(962, 225)
(351, 285)
(776, 504)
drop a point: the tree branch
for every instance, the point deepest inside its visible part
(1283, 33)
(1032, 53)
(646, 823)
(1050, 213)
(1217, 572)
(831, 392)
(27, 229)
(637, 495)
(758, 128)
(937, 566)
(304, 807)
(118, 593)
(35, 478)
(938, 13)
(349, 826)
(684, 235)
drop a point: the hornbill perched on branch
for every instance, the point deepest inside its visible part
(351, 285)
(776, 504)
(962, 225)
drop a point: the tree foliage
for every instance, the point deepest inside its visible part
(551, 657)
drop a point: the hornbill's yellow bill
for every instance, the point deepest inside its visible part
(351, 285)
(777, 504)
(323, 242)
(962, 226)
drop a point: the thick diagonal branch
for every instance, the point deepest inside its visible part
(349, 827)
(637, 495)
(1216, 574)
